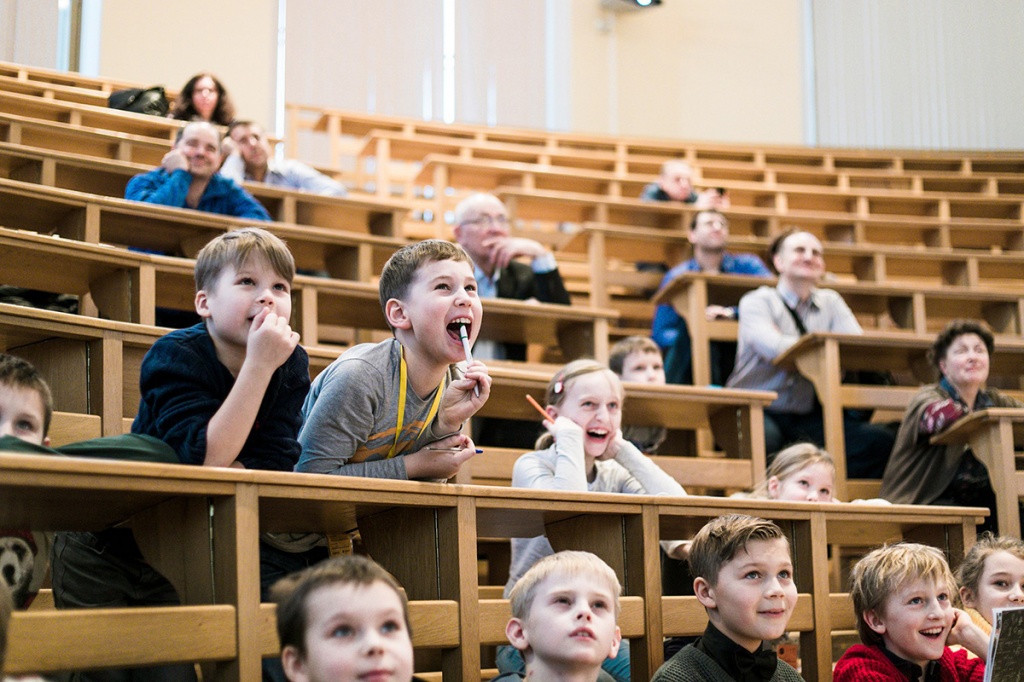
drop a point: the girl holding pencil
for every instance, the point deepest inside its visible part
(583, 450)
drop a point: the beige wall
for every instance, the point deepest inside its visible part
(28, 32)
(726, 70)
(167, 42)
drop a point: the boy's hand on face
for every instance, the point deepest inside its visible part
(460, 401)
(271, 340)
(440, 459)
(174, 160)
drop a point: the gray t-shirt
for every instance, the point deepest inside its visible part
(351, 412)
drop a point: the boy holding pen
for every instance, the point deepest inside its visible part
(396, 409)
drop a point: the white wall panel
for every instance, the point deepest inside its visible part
(941, 74)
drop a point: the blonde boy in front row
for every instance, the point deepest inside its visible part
(903, 597)
(564, 613)
(743, 576)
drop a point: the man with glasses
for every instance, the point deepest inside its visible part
(709, 232)
(482, 229)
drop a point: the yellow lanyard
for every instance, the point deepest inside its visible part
(403, 380)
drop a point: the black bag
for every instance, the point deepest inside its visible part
(150, 101)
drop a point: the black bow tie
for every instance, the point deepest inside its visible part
(758, 666)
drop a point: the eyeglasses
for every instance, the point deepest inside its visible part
(480, 221)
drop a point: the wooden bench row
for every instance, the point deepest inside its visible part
(129, 286)
(80, 173)
(424, 533)
(398, 162)
(93, 365)
(65, 79)
(440, 172)
(337, 125)
(618, 251)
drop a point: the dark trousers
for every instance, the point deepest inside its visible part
(679, 360)
(107, 570)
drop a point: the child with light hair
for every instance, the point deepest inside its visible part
(991, 576)
(800, 473)
(903, 598)
(564, 613)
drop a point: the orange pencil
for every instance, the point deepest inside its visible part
(536, 406)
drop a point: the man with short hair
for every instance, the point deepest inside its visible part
(248, 156)
(771, 320)
(188, 178)
(709, 233)
(675, 183)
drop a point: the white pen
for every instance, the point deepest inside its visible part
(469, 355)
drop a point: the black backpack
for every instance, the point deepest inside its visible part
(150, 101)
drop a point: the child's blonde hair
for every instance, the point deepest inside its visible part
(883, 571)
(969, 574)
(562, 381)
(566, 563)
(791, 461)
(631, 344)
(722, 538)
(236, 248)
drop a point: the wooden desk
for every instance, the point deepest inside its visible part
(169, 508)
(879, 307)
(823, 357)
(24, 130)
(578, 331)
(735, 417)
(991, 435)
(88, 116)
(425, 533)
(38, 74)
(350, 253)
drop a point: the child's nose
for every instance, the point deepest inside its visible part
(1017, 594)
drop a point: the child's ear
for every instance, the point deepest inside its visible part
(516, 634)
(874, 621)
(394, 310)
(294, 666)
(967, 597)
(552, 412)
(773, 487)
(705, 593)
(616, 641)
(202, 304)
(46, 441)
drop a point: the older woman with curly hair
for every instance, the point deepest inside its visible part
(921, 473)
(204, 98)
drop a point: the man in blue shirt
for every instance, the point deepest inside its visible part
(188, 178)
(709, 232)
